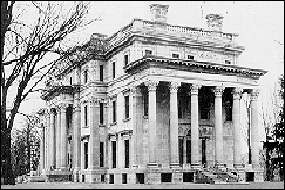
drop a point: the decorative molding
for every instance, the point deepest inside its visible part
(219, 90)
(94, 101)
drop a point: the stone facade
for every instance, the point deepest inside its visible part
(154, 103)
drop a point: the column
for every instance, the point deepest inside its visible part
(63, 119)
(219, 125)
(42, 147)
(94, 139)
(254, 128)
(47, 141)
(133, 143)
(236, 126)
(58, 140)
(174, 154)
(194, 125)
(52, 138)
(76, 134)
(152, 85)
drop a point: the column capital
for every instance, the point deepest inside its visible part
(152, 85)
(63, 107)
(194, 88)
(254, 94)
(57, 108)
(173, 86)
(219, 90)
(236, 92)
(135, 90)
(94, 101)
(52, 110)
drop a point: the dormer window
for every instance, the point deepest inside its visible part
(176, 56)
(191, 57)
(227, 62)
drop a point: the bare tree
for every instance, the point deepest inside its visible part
(23, 46)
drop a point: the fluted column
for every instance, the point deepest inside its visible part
(77, 133)
(236, 126)
(254, 128)
(63, 119)
(194, 125)
(174, 154)
(52, 138)
(58, 139)
(94, 140)
(219, 125)
(47, 141)
(152, 85)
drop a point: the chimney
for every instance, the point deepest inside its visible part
(159, 13)
(215, 22)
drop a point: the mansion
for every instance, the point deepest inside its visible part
(154, 103)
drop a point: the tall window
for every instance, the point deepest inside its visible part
(85, 116)
(85, 76)
(126, 59)
(114, 111)
(179, 108)
(126, 153)
(145, 104)
(188, 151)
(176, 56)
(101, 113)
(228, 110)
(114, 153)
(85, 155)
(70, 81)
(101, 73)
(147, 52)
(127, 105)
(180, 145)
(101, 154)
(114, 70)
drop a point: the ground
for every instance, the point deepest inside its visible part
(252, 185)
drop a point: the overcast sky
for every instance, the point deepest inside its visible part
(260, 25)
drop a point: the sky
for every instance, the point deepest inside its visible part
(260, 25)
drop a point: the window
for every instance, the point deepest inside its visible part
(147, 52)
(176, 56)
(101, 113)
(111, 180)
(124, 178)
(114, 111)
(166, 177)
(145, 104)
(188, 176)
(127, 105)
(191, 57)
(140, 178)
(126, 153)
(85, 116)
(70, 81)
(102, 178)
(85, 76)
(101, 73)
(227, 62)
(228, 110)
(126, 59)
(114, 153)
(86, 155)
(101, 154)
(114, 70)
(188, 151)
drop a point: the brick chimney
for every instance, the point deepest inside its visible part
(159, 13)
(215, 22)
